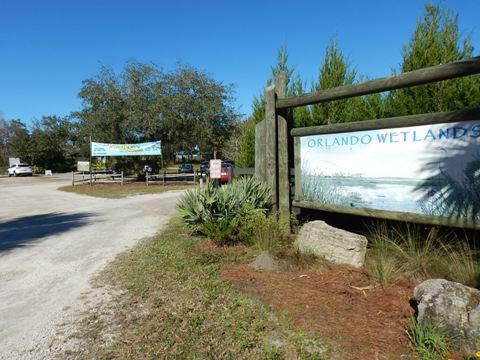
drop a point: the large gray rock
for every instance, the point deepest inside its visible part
(453, 307)
(335, 245)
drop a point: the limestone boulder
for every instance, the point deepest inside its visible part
(452, 307)
(335, 245)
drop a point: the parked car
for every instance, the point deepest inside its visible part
(229, 162)
(185, 168)
(20, 169)
(205, 166)
(227, 173)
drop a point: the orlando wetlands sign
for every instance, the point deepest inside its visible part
(429, 171)
(143, 149)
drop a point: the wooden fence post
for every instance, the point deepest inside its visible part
(122, 177)
(271, 144)
(282, 148)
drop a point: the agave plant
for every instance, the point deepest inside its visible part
(194, 207)
(208, 208)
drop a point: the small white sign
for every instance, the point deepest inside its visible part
(215, 169)
(83, 166)
(48, 172)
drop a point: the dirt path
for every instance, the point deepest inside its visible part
(51, 245)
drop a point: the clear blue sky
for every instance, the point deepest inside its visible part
(47, 47)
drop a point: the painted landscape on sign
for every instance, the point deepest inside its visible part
(429, 170)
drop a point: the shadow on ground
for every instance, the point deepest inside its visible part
(23, 231)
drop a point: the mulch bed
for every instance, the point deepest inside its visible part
(362, 320)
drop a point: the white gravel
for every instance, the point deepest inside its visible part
(51, 245)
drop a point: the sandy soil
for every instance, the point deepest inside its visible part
(51, 245)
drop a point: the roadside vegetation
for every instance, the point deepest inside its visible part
(412, 251)
(177, 305)
(116, 191)
(398, 254)
(223, 213)
(190, 293)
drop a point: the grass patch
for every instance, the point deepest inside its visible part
(419, 253)
(117, 191)
(429, 342)
(178, 306)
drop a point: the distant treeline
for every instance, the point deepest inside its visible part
(184, 108)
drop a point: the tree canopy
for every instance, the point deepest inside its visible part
(436, 40)
(14, 140)
(183, 108)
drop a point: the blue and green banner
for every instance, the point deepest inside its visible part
(143, 149)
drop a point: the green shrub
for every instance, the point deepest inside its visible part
(38, 170)
(429, 341)
(220, 230)
(219, 212)
(265, 231)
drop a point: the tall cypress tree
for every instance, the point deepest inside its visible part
(436, 40)
(335, 71)
(302, 116)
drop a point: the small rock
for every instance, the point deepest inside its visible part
(266, 262)
(452, 307)
(335, 245)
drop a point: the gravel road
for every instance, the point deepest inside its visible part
(51, 245)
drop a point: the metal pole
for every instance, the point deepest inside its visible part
(90, 164)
